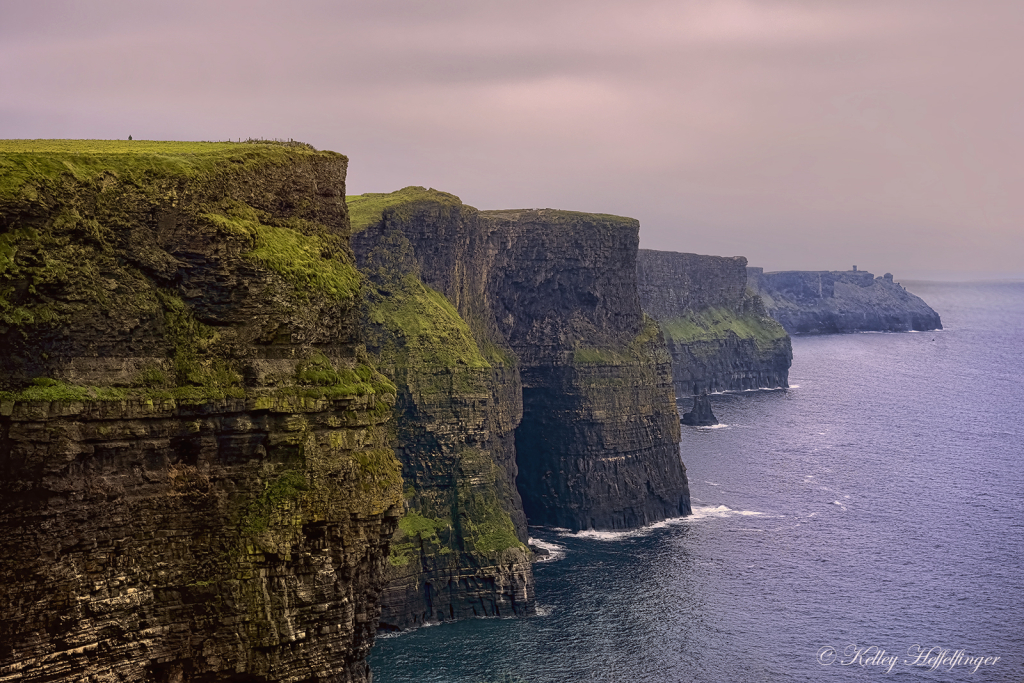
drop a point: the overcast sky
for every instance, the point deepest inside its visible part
(804, 134)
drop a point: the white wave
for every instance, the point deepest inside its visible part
(717, 426)
(402, 632)
(544, 610)
(555, 551)
(794, 386)
(711, 482)
(707, 511)
(602, 535)
(840, 504)
(698, 512)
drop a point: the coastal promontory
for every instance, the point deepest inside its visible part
(833, 301)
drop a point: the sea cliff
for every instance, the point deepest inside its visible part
(461, 547)
(598, 442)
(718, 332)
(196, 481)
(548, 321)
(824, 302)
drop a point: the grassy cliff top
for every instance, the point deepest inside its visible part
(33, 161)
(560, 217)
(368, 209)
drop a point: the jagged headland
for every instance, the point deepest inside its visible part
(828, 302)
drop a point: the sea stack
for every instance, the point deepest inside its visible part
(700, 415)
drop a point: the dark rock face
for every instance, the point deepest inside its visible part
(719, 335)
(598, 443)
(195, 476)
(828, 302)
(700, 415)
(139, 544)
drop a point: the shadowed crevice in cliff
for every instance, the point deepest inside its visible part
(718, 332)
(830, 302)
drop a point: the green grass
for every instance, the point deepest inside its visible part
(491, 529)
(718, 323)
(432, 331)
(415, 531)
(93, 191)
(367, 209)
(560, 219)
(330, 382)
(487, 527)
(201, 380)
(49, 390)
(306, 262)
(414, 524)
(46, 389)
(25, 164)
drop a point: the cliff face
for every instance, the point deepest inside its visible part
(823, 302)
(718, 332)
(550, 299)
(460, 549)
(598, 443)
(195, 475)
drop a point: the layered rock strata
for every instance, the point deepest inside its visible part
(718, 332)
(828, 302)
(197, 481)
(598, 443)
(460, 550)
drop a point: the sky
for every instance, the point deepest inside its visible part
(802, 134)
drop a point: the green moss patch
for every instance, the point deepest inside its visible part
(368, 209)
(46, 389)
(430, 330)
(289, 486)
(305, 261)
(632, 352)
(718, 323)
(415, 533)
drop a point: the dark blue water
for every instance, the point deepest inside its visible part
(878, 503)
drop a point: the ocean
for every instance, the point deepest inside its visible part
(866, 524)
